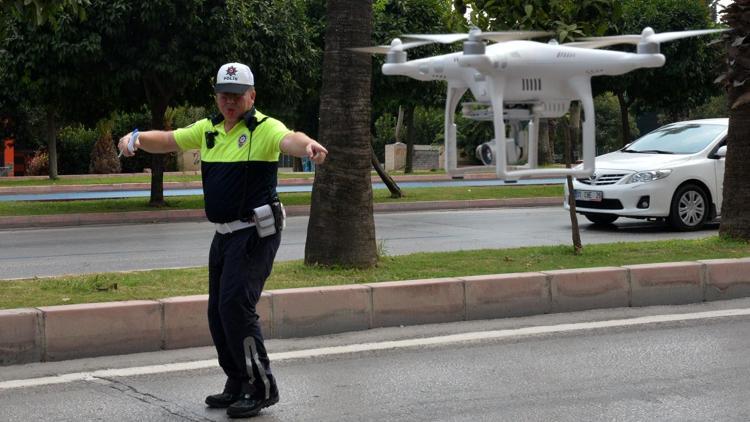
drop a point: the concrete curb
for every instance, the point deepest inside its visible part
(76, 331)
(140, 217)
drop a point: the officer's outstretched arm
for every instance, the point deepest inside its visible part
(300, 145)
(154, 141)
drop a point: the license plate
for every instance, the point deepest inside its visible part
(589, 195)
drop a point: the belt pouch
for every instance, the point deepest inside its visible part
(265, 222)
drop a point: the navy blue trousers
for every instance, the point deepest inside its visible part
(238, 265)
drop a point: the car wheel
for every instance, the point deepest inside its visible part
(690, 209)
(601, 218)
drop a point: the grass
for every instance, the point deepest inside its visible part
(8, 208)
(119, 179)
(292, 274)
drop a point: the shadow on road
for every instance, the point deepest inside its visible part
(638, 226)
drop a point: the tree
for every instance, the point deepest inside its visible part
(103, 158)
(685, 81)
(40, 12)
(735, 220)
(393, 18)
(341, 230)
(567, 18)
(162, 53)
(57, 67)
(158, 53)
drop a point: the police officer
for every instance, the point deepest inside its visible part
(239, 163)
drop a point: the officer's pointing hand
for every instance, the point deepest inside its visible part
(316, 152)
(122, 145)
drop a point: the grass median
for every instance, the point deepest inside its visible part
(118, 179)
(298, 198)
(65, 180)
(158, 284)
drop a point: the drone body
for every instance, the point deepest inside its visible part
(516, 80)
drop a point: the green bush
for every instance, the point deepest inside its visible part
(429, 126)
(185, 115)
(38, 165)
(609, 124)
(74, 145)
(715, 107)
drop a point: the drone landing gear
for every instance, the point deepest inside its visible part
(451, 154)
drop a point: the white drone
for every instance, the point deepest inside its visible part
(520, 81)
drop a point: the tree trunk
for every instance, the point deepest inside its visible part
(296, 164)
(157, 160)
(341, 230)
(409, 118)
(547, 149)
(624, 118)
(52, 142)
(572, 135)
(399, 124)
(735, 219)
(385, 177)
(158, 100)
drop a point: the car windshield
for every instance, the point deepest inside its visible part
(676, 139)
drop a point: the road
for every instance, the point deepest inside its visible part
(686, 363)
(90, 249)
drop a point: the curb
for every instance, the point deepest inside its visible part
(55, 333)
(139, 217)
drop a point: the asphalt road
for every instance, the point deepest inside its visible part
(89, 249)
(686, 363)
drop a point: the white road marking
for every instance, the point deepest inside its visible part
(366, 347)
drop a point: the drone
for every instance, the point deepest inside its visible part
(516, 81)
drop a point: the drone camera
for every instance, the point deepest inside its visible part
(486, 153)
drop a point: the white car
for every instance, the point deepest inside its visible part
(675, 173)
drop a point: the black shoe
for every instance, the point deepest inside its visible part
(250, 404)
(245, 407)
(223, 400)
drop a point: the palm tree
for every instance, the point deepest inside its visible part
(341, 230)
(735, 219)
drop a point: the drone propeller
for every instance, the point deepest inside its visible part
(474, 40)
(476, 34)
(647, 38)
(396, 46)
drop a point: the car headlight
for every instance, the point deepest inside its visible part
(648, 176)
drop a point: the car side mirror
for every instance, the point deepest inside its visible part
(721, 152)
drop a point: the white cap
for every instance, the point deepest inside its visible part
(235, 78)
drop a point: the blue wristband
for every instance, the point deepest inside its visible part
(133, 137)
